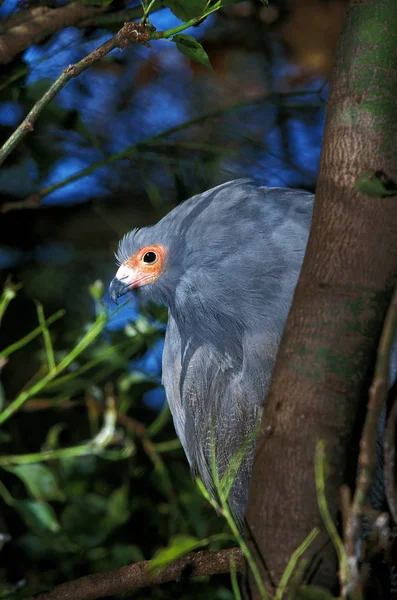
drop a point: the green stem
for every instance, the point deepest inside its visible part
(160, 421)
(168, 446)
(147, 11)
(292, 563)
(319, 469)
(30, 336)
(35, 457)
(169, 33)
(8, 294)
(89, 365)
(5, 494)
(47, 338)
(93, 332)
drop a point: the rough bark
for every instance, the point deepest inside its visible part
(126, 580)
(349, 272)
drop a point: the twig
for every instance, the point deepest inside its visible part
(130, 33)
(8, 294)
(320, 474)
(132, 577)
(389, 468)
(368, 455)
(38, 23)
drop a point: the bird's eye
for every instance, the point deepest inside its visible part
(149, 258)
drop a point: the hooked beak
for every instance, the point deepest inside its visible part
(123, 283)
(118, 288)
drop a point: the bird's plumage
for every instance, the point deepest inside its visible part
(232, 259)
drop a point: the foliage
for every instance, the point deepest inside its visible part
(74, 498)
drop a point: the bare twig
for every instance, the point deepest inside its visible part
(34, 25)
(130, 33)
(368, 455)
(132, 577)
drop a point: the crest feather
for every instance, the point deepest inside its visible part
(126, 247)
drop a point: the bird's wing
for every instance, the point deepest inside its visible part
(215, 401)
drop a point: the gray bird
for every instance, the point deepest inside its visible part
(225, 263)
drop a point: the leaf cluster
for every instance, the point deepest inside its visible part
(91, 480)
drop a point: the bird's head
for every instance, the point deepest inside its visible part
(145, 264)
(141, 263)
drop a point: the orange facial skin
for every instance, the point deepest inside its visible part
(144, 267)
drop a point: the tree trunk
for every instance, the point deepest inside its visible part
(349, 272)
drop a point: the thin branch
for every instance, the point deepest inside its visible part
(132, 577)
(46, 337)
(37, 24)
(34, 200)
(38, 386)
(130, 33)
(368, 454)
(8, 294)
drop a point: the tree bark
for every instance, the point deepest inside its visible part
(36, 24)
(350, 269)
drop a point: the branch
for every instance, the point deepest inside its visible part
(131, 577)
(368, 454)
(130, 33)
(36, 24)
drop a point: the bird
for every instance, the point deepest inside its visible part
(225, 263)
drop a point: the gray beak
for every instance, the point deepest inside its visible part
(118, 288)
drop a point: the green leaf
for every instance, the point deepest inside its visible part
(116, 556)
(230, 2)
(192, 49)
(375, 185)
(119, 507)
(97, 289)
(45, 545)
(179, 546)
(84, 520)
(39, 480)
(38, 516)
(312, 592)
(186, 9)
